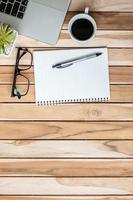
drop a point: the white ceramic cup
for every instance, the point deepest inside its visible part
(84, 15)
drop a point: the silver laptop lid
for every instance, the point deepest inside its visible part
(43, 19)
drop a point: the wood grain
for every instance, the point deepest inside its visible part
(67, 168)
(76, 112)
(66, 130)
(122, 39)
(118, 75)
(107, 20)
(102, 5)
(66, 149)
(66, 186)
(66, 197)
(121, 75)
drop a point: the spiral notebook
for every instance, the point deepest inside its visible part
(85, 81)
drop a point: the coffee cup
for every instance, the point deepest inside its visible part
(82, 27)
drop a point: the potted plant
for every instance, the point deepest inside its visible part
(7, 39)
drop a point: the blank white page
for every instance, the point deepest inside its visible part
(83, 81)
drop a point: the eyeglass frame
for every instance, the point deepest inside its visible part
(18, 71)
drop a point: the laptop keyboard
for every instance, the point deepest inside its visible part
(14, 8)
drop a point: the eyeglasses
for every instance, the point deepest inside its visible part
(19, 90)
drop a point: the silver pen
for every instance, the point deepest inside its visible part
(68, 63)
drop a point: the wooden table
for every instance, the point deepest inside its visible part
(72, 152)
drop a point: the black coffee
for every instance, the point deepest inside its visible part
(82, 29)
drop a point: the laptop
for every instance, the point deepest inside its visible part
(39, 19)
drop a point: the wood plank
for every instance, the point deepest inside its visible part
(119, 93)
(117, 57)
(122, 39)
(66, 130)
(121, 75)
(66, 197)
(66, 186)
(121, 57)
(102, 5)
(80, 112)
(6, 94)
(9, 69)
(118, 75)
(8, 78)
(107, 20)
(66, 149)
(69, 168)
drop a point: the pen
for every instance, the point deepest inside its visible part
(68, 63)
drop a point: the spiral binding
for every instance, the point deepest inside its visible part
(90, 100)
